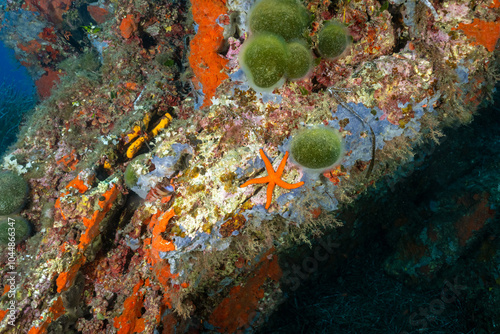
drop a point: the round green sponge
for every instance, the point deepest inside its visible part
(286, 18)
(299, 60)
(264, 59)
(13, 192)
(333, 40)
(14, 229)
(317, 149)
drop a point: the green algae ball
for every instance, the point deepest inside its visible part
(13, 192)
(316, 149)
(299, 60)
(264, 59)
(286, 18)
(14, 229)
(333, 40)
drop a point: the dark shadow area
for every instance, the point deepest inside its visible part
(353, 292)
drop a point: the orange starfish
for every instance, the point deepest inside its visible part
(274, 178)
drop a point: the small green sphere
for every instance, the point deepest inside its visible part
(299, 60)
(317, 149)
(332, 40)
(264, 59)
(15, 227)
(13, 192)
(286, 18)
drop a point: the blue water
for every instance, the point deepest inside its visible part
(16, 87)
(12, 72)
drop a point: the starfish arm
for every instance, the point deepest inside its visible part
(281, 167)
(254, 181)
(273, 178)
(269, 166)
(287, 185)
(269, 193)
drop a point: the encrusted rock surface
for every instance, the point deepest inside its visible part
(187, 249)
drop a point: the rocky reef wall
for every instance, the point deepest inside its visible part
(136, 158)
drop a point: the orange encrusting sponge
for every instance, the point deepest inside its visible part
(206, 63)
(484, 33)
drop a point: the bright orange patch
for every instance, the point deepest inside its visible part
(238, 309)
(78, 185)
(57, 309)
(58, 207)
(483, 33)
(128, 26)
(206, 63)
(66, 278)
(495, 4)
(130, 321)
(159, 243)
(92, 224)
(159, 223)
(69, 160)
(131, 85)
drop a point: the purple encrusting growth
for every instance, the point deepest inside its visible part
(358, 143)
(356, 138)
(164, 167)
(253, 165)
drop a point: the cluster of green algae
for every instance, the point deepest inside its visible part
(278, 48)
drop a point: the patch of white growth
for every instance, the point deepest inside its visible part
(109, 139)
(10, 163)
(222, 100)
